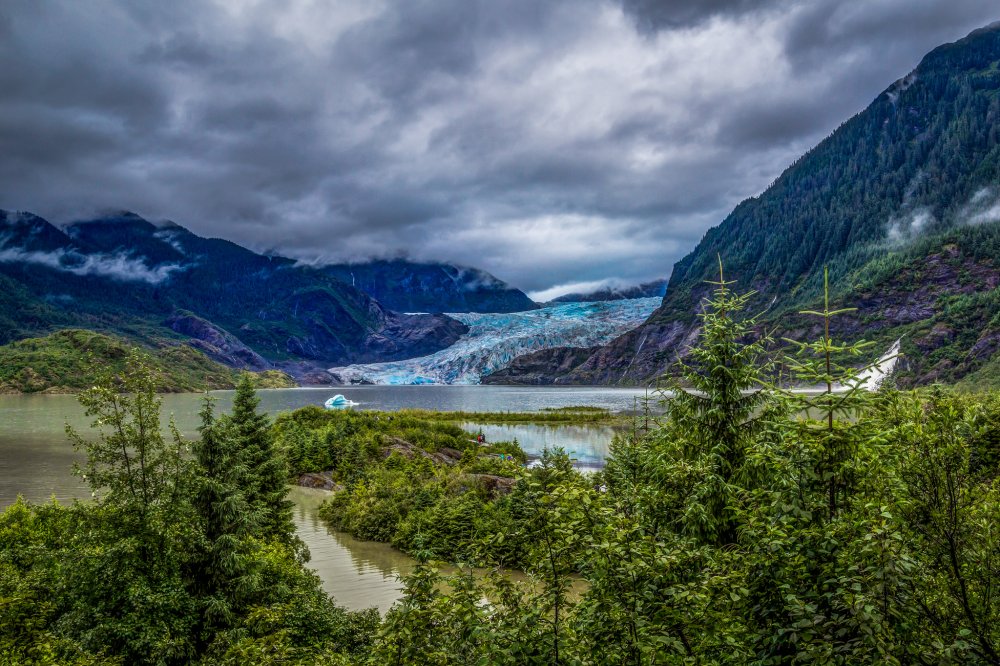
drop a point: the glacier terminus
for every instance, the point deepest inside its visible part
(495, 340)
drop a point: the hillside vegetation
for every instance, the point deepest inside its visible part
(70, 360)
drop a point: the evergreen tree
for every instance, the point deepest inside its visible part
(225, 563)
(266, 476)
(716, 409)
(834, 435)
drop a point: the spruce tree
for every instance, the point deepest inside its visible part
(716, 409)
(845, 394)
(265, 482)
(226, 521)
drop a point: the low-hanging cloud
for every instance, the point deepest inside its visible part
(909, 226)
(117, 266)
(982, 208)
(547, 143)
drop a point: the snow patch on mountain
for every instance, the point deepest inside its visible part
(495, 340)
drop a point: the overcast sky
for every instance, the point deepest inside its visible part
(552, 143)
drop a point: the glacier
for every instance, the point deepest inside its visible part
(495, 340)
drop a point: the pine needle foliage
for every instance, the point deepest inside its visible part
(266, 475)
(224, 576)
(717, 406)
(831, 426)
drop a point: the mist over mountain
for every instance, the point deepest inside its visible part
(655, 288)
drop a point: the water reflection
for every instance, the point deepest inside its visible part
(358, 574)
(587, 445)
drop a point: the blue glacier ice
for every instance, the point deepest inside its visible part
(494, 340)
(338, 402)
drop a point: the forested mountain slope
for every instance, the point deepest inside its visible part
(71, 360)
(901, 202)
(408, 286)
(124, 275)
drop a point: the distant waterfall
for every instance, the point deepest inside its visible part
(873, 378)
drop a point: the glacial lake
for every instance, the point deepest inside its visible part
(36, 459)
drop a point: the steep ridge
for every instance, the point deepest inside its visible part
(407, 286)
(901, 202)
(124, 275)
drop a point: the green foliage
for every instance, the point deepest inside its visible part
(178, 559)
(746, 526)
(714, 413)
(263, 484)
(72, 360)
(556, 415)
(272, 379)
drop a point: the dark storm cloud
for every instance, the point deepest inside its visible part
(655, 15)
(552, 143)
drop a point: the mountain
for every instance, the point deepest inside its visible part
(407, 286)
(902, 203)
(494, 340)
(125, 275)
(654, 289)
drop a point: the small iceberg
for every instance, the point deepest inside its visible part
(338, 402)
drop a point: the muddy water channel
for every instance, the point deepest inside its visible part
(36, 460)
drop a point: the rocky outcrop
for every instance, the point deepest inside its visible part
(541, 367)
(630, 359)
(308, 373)
(986, 346)
(398, 446)
(493, 485)
(408, 336)
(216, 343)
(635, 357)
(319, 480)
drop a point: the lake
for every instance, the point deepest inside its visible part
(36, 458)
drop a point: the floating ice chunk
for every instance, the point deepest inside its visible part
(339, 402)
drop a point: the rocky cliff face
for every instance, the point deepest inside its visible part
(216, 343)
(540, 368)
